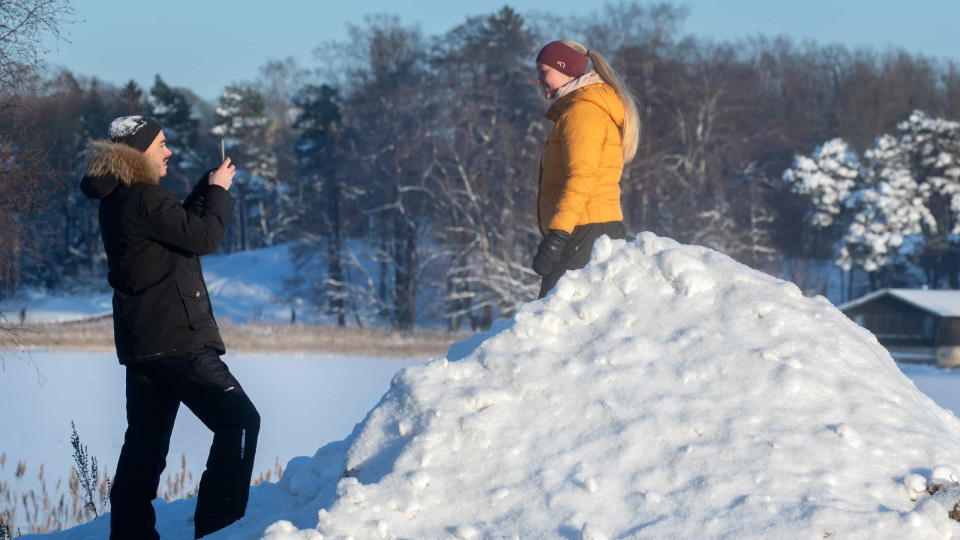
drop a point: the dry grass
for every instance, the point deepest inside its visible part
(268, 337)
(180, 484)
(41, 510)
(934, 488)
(47, 509)
(276, 472)
(97, 336)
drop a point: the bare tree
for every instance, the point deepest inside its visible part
(392, 109)
(24, 24)
(485, 166)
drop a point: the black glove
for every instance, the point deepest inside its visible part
(194, 201)
(549, 251)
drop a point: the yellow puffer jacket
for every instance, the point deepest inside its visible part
(582, 162)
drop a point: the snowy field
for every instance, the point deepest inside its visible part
(243, 287)
(943, 385)
(304, 401)
(248, 286)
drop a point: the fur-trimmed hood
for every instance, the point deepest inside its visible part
(112, 164)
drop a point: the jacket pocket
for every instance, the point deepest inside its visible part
(193, 296)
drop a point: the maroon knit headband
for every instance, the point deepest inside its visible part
(563, 58)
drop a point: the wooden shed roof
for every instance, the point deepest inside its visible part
(943, 303)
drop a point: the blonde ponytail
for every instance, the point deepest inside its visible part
(630, 133)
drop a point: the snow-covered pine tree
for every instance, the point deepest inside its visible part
(263, 212)
(825, 179)
(932, 149)
(889, 221)
(897, 215)
(169, 107)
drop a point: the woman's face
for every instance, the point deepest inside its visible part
(550, 80)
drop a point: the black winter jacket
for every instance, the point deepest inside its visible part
(160, 302)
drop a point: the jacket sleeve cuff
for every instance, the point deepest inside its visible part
(563, 223)
(214, 188)
(217, 199)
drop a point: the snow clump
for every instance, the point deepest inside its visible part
(124, 126)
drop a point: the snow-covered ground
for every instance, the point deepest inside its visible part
(243, 286)
(663, 392)
(247, 286)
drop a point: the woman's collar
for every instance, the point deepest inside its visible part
(589, 77)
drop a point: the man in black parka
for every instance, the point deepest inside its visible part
(164, 328)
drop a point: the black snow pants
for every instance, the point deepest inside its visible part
(577, 253)
(154, 391)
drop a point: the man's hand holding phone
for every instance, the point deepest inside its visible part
(223, 176)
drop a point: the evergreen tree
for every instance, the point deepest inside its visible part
(86, 258)
(170, 108)
(889, 220)
(932, 152)
(131, 99)
(318, 150)
(895, 217)
(825, 179)
(263, 208)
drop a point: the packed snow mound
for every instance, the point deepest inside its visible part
(665, 391)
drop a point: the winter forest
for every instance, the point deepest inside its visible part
(401, 165)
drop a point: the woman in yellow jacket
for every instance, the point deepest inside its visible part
(596, 130)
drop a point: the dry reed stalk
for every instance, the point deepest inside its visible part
(35, 510)
(180, 485)
(268, 476)
(263, 337)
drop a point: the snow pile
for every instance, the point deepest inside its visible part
(665, 391)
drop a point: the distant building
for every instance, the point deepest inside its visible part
(914, 325)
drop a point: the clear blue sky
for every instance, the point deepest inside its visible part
(206, 44)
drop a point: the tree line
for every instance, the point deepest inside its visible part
(894, 213)
(405, 165)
